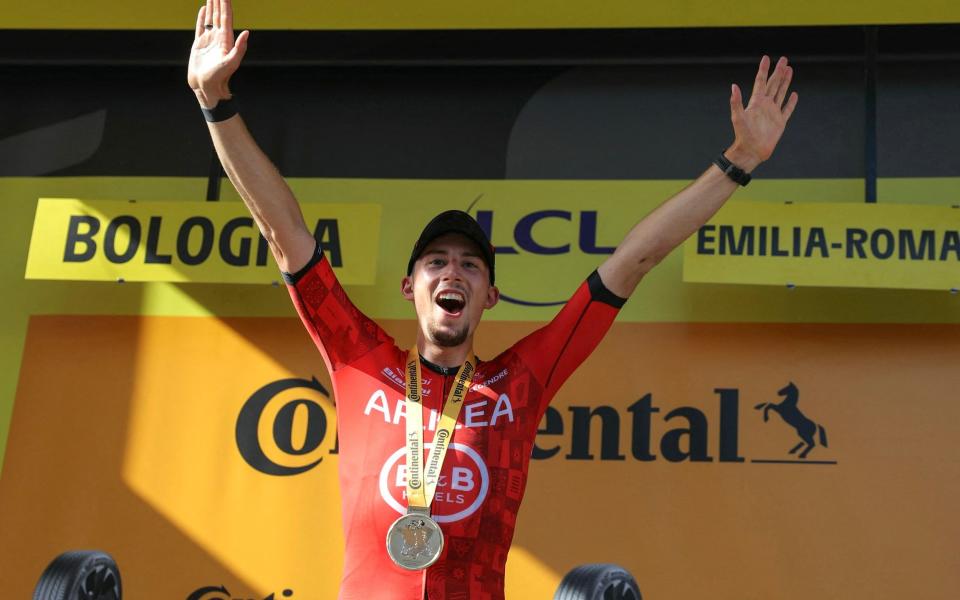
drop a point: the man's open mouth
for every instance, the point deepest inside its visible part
(452, 302)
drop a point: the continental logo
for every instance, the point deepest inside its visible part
(790, 413)
(208, 242)
(703, 433)
(847, 245)
(220, 592)
(283, 430)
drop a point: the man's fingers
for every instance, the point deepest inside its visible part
(200, 21)
(215, 17)
(784, 86)
(760, 82)
(208, 15)
(226, 14)
(226, 40)
(736, 103)
(242, 42)
(791, 104)
(239, 49)
(773, 84)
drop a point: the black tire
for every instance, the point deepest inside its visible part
(598, 582)
(80, 575)
(573, 584)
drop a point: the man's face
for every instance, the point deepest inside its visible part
(450, 288)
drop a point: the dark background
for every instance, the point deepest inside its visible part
(573, 104)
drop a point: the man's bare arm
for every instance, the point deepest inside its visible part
(214, 58)
(757, 130)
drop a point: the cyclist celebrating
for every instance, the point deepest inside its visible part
(434, 442)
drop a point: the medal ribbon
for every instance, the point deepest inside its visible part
(420, 488)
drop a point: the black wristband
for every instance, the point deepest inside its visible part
(221, 112)
(732, 171)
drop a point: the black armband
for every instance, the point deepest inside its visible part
(221, 112)
(601, 293)
(732, 171)
(293, 278)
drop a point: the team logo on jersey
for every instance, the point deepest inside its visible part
(462, 488)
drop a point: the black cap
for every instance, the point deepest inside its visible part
(454, 221)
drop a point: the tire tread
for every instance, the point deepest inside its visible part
(66, 573)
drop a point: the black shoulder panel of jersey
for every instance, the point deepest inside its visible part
(293, 278)
(600, 293)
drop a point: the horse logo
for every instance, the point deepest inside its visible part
(792, 416)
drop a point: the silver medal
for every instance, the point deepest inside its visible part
(414, 541)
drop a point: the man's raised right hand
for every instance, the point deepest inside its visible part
(215, 55)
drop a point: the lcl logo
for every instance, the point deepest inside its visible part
(282, 427)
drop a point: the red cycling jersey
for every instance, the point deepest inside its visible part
(485, 473)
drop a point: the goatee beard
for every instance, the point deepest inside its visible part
(448, 339)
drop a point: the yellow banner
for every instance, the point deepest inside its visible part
(495, 14)
(835, 245)
(216, 459)
(575, 222)
(205, 242)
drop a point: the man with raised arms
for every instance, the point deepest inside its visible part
(434, 442)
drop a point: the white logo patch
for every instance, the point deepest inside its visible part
(461, 479)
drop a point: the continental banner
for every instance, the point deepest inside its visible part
(200, 242)
(836, 245)
(723, 461)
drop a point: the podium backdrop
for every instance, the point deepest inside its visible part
(126, 431)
